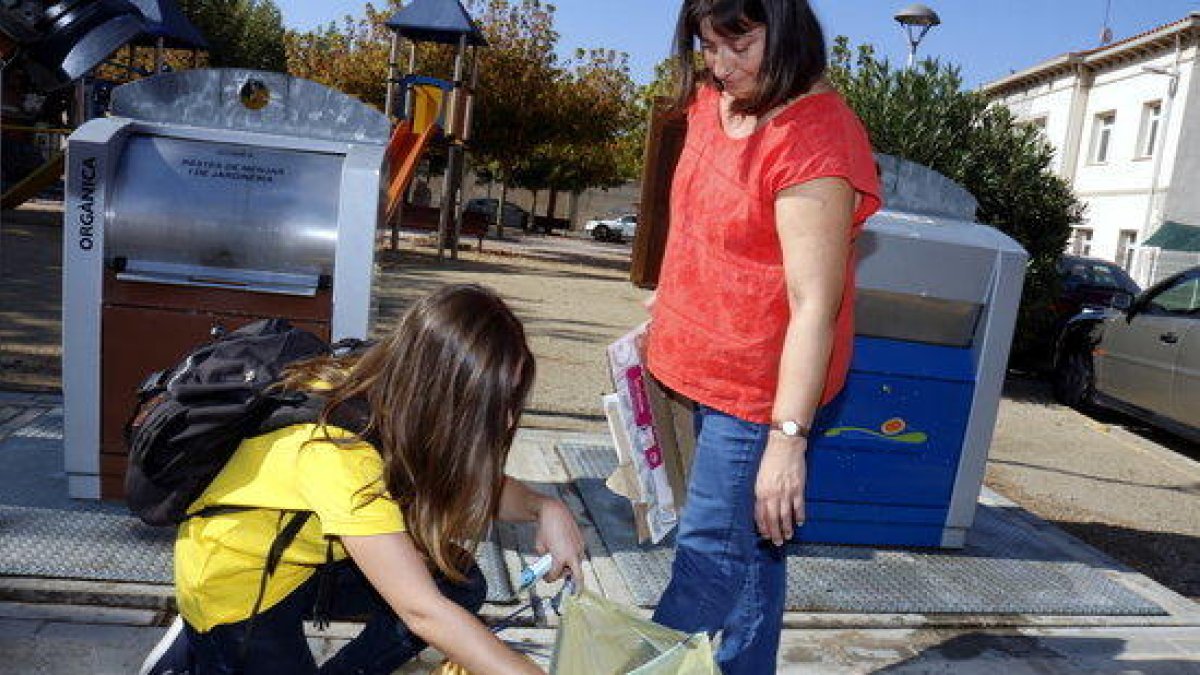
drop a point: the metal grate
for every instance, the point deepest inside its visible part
(1007, 567)
(43, 533)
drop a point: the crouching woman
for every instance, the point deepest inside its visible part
(400, 498)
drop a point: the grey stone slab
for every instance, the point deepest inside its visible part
(44, 533)
(18, 630)
(78, 614)
(17, 398)
(1007, 567)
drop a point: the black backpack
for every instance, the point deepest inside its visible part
(191, 418)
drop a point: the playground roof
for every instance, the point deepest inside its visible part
(165, 20)
(1175, 236)
(441, 21)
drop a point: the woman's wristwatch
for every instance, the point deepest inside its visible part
(791, 429)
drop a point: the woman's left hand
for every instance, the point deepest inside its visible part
(779, 490)
(559, 535)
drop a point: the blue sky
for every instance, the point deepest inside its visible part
(987, 38)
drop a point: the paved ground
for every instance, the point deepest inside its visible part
(1130, 492)
(1124, 489)
(98, 641)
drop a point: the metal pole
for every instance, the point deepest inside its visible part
(457, 95)
(448, 200)
(1161, 141)
(389, 102)
(446, 228)
(412, 69)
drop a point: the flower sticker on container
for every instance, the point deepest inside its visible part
(893, 426)
(891, 430)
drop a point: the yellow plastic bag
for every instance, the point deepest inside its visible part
(600, 637)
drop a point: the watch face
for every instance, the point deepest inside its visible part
(790, 428)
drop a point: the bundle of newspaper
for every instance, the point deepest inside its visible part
(641, 475)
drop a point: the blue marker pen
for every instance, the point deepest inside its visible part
(536, 571)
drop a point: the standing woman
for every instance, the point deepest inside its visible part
(414, 474)
(753, 315)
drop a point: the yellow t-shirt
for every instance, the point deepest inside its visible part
(219, 559)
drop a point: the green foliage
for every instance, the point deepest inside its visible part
(350, 56)
(924, 115)
(240, 33)
(538, 122)
(590, 121)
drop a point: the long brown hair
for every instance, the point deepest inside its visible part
(445, 392)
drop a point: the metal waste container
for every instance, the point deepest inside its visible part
(898, 458)
(209, 198)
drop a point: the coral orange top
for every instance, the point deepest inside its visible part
(719, 321)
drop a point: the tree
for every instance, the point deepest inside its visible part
(923, 114)
(593, 124)
(240, 33)
(517, 72)
(537, 123)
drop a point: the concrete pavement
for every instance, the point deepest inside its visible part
(68, 626)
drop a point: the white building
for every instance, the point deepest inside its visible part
(1124, 120)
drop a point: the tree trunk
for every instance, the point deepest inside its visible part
(533, 212)
(499, 215)
(551, 207)
(573, 211)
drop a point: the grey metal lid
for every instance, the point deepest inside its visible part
(909, 187)
(251, 100)
(165, 20)
(441, 21)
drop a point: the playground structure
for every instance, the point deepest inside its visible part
(427, 109)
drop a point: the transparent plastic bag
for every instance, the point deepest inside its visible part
(600, 637)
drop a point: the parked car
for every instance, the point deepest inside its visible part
(1143, 360)
(1084, 283)
(547, 224)
(514, 216)
(618, 228)
(1089, 283)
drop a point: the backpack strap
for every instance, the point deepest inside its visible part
(321, 608)
(287, 534)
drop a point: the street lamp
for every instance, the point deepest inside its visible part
(1172, 74)
(917, 20)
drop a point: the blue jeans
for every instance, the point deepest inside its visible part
(278, 645)
(726, 578)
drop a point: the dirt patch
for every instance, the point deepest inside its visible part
(31, 298)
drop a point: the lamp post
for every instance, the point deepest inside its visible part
(916, 20)
(1172, 74)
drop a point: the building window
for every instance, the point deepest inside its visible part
(1038, 123)
(1102, 128)
(1151, 128)
(1081, 241)
(1126, 242)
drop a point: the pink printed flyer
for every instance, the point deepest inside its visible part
(631, 420)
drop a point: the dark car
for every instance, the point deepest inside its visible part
(1090, 283)
(1084, 284)
(514, 216)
